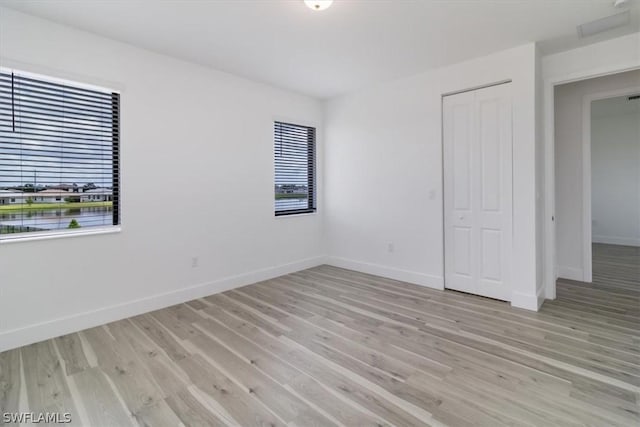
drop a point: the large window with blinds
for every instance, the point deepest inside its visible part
(59, 156)
(295, 168)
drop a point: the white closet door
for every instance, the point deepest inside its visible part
(478, 191)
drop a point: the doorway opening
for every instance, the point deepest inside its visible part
(597, 181)
(614, 139)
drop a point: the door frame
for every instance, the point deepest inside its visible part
(550, 264)
(587, 231)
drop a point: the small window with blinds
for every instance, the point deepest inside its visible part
(295, 168)
(59, 156)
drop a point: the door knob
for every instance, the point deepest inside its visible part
(461, 217)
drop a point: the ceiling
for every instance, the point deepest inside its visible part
(353, 44)
(617, 106)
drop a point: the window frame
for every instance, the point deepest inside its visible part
(79, 82)
(312, 169)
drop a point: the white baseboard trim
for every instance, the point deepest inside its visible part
(65, 325)
(570, 273)
(428, 280)
(616, 240)
(528, 301)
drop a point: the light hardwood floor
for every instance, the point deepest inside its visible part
(616, 267)
(328, 346)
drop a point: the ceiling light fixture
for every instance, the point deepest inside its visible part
(318, 4)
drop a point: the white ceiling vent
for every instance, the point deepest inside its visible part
(604, 24)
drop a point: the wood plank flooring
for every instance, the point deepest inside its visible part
(328, 346)
(616, 267)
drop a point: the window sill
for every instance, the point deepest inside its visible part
(295, 215)
(60, 235)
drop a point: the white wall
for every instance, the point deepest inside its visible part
(197, 137)
(568, 165)
(383, 172)
(615, 177)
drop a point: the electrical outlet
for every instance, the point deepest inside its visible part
(194, 262)
(390, 247)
